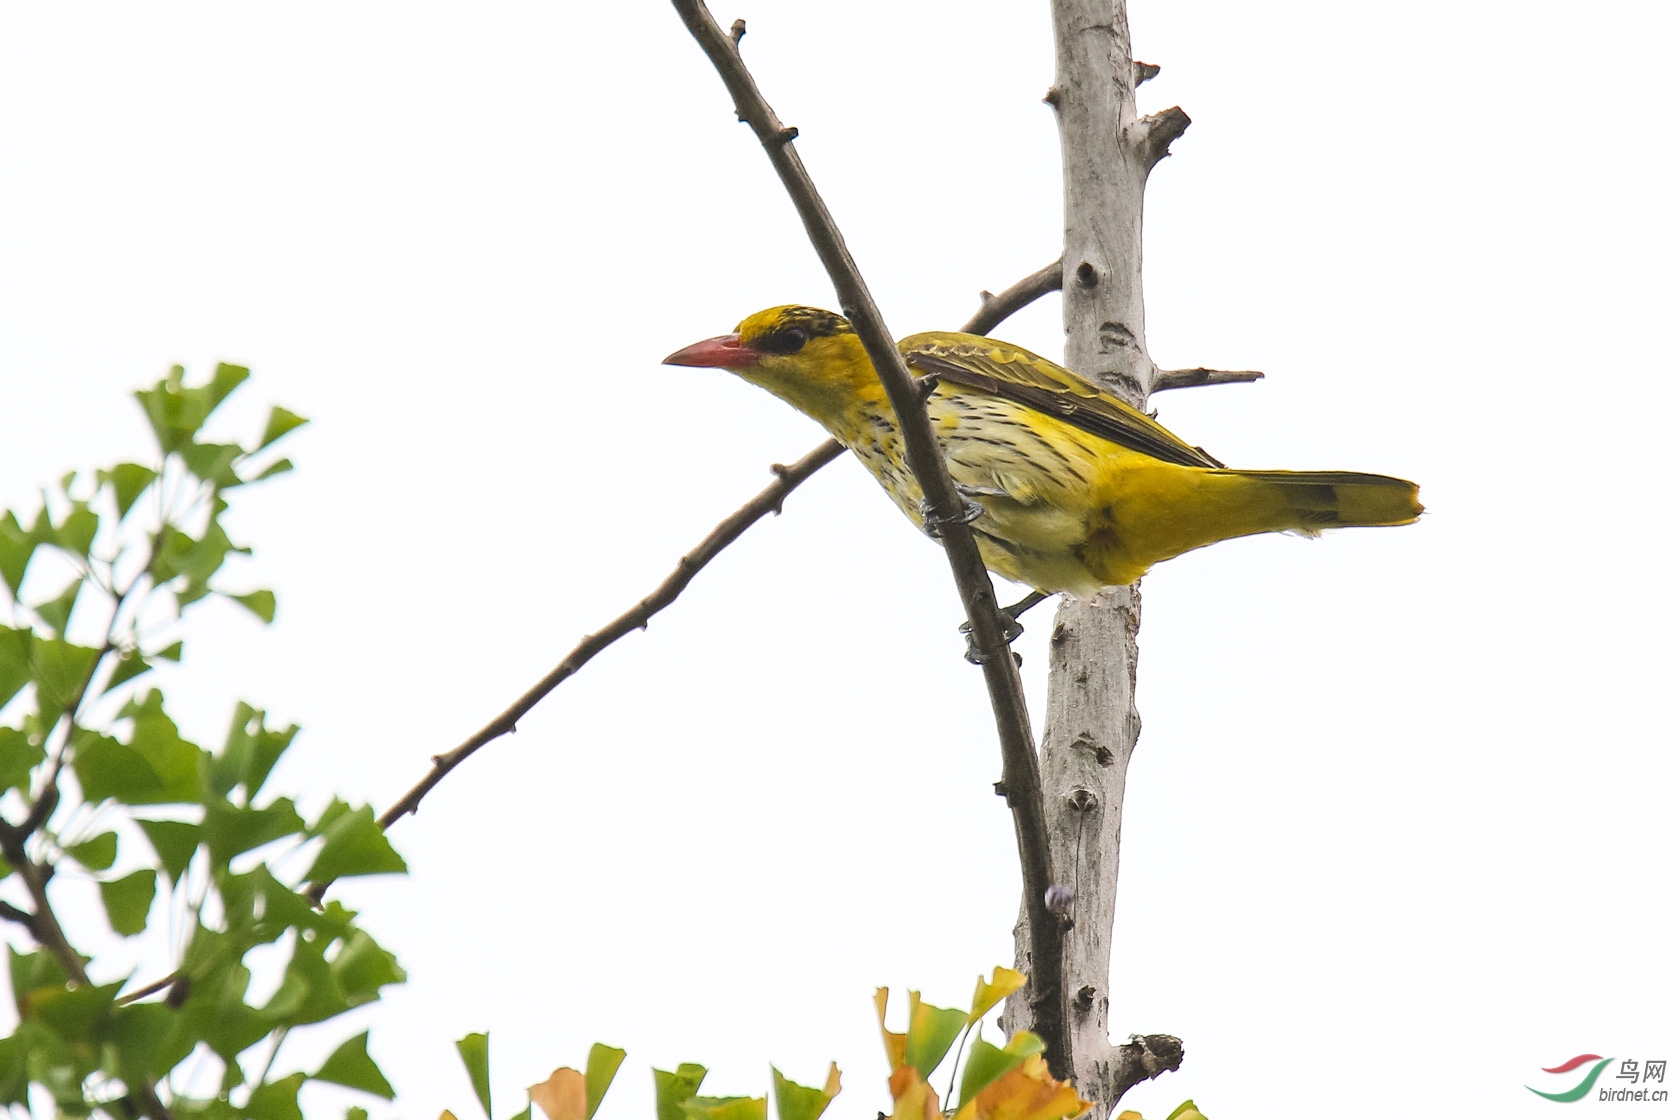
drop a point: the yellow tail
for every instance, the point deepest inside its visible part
(1160, 511)
(1317, 500)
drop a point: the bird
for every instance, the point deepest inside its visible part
(1069, 488)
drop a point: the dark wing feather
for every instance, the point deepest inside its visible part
(1037, 383)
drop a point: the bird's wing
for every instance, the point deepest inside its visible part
(1037, 383)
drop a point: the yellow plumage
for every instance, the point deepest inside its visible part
(1076, 489)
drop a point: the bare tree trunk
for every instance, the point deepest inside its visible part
(1092, 723)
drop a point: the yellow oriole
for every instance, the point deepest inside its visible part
(1075, 489)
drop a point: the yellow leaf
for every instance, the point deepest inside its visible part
(831, 1087)
(447, 1115)
(1005, 983)
(564, 1096)
(1027, 1092)
(1129, 1115)
(894, 1041)
(913, 1098)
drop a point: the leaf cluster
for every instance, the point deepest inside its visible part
(97, 782)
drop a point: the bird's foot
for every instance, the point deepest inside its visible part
(974, 655)
(932, 522)
(1008, 621)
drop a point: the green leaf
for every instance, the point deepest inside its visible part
(279, 466)
(670, 1090)
(76, 532)
(169, 653)
(128, 481)
(97, 854)
(59, 669)
(226, 379)
(355, 1113)
(139, 1035)
(109, 770)
(248, 753)
(14, 1071)
(72, 1013)
(128, 900)
(213, 462)
(1186, 1111)
(355, 845)
(726, 1108)
(932, 1030)
(259, 603)
(796, 1102)
(17, 545)
(308, 992)
(55, 612)
(986, 1063)
(475, 1055)
(524, 1114)
(174, 841)
(599, 1073)
(280, 421)
(230, 830)
(30, 971)
(130, 664)
(15, 662)
(173, 760)
(363, 967)
(276, 1100)
(18, 757)
(351, 1067)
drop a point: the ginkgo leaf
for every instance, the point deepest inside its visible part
(913, 1098)
(932, 1030)
(1004, 983)
(797, 1102)
(564, 1096)
(1185, 1111)
(893, 1040)
(1027, 1092)
(986, 1063)
(726, 1108)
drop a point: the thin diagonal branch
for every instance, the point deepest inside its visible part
(995, 309)
(769, 500)
(927, 463)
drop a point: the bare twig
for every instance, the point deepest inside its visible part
(1157, 131)
(927, 463)
(769, 500)
(1191, 378)
(1143, 71)
(995, 309)
(151, 989)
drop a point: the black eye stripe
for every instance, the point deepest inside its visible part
(788, 340)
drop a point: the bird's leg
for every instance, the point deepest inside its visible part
(1009, 618)
(1033, 599)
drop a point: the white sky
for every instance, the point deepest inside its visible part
(1401, 828)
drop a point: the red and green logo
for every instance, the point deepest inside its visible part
(1571, 1065)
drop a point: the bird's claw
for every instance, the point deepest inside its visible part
(1011, 630)
(932, 522)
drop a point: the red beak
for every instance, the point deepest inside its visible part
(723, 352)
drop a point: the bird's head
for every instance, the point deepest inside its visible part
(809, 357)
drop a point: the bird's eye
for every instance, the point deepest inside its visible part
(789, 340)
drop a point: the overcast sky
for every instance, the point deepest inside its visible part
(1401, 828)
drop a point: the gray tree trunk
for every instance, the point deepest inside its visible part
(1092, 723)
